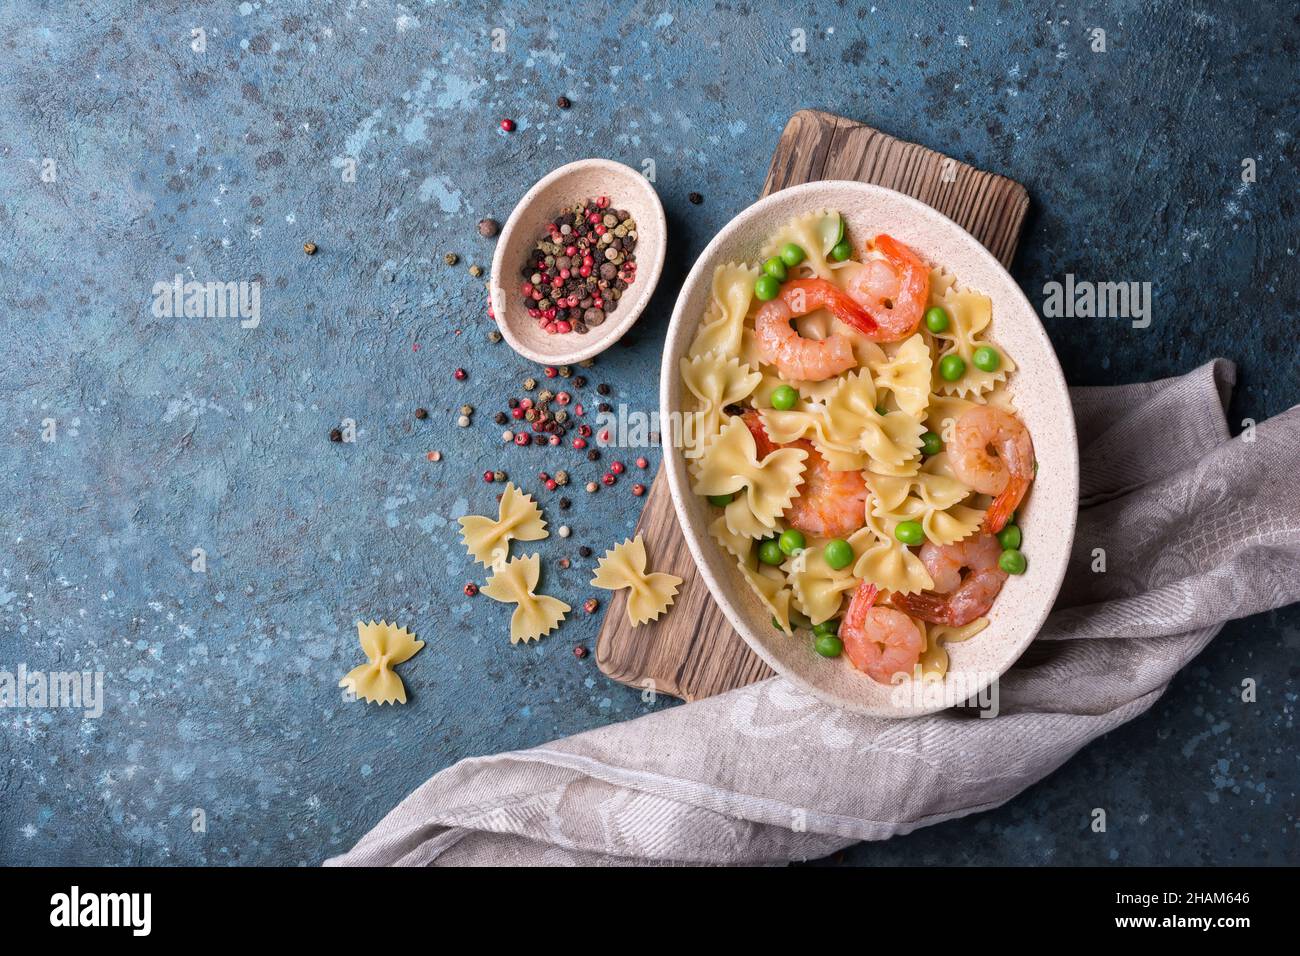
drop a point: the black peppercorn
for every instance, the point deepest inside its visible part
(336, 434)
(695, 199)
(603, 388)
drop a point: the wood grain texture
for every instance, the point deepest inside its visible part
(692, 652)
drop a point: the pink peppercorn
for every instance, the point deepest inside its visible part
(460, 374)
(638, 490)
(584, 431)
(608, 478)
(471, 589)
(563, 398)
(525, 403)
(522, 438)
(487, 476)
(551, 371)
(563, 326)
(578, 409)
(570, 250)
(554, 440)
(579, 443)
(616, 467)
(508, 125)
(517, 412)
(551, 484)
(642, 463)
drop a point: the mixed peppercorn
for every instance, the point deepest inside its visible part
(577, 273)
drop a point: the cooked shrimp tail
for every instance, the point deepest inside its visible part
(795, 357)
(959, 598)
(999, 513)
(893, 289)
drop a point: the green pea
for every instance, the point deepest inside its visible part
(931, 443)
(986, 358)
(1009, 537)
(837, 553)
(791, 541)
(909, 532)
(1012, 561)
(784, 398)
(842, 250)
(769, 552)
(775, 268)
(766, 287)
(721, 501)
(936, 319)
(826, 628)
(777, 624)
(952, 367)
(792, 254)
(828, 645)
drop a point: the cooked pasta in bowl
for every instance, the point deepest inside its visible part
(871, 448)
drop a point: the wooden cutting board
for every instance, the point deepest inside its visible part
(692, 652)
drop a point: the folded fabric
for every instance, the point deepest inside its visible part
(1197, 529)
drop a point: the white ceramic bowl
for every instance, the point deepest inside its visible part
(1037, 388)
(584, 179)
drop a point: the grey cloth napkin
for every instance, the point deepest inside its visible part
(1197, 527)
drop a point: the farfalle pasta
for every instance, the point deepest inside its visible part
(386, 645)
(858, 443)
(518, 518)
(535, 615)
(650, 593)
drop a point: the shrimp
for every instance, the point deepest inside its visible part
(880, 641)
(763, 445)
(831, 504)
(1006, 472)
(893, 290)
(957, 599)
(798, 358)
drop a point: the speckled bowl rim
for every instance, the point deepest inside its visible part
(651, 251)
(908, 220)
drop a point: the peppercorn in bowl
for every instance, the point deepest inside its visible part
(577, 261)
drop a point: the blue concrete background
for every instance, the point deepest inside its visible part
(182, 433)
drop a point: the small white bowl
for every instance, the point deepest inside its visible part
(584, 179)
(1037, 389)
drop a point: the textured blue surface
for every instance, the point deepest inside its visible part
(183, 433)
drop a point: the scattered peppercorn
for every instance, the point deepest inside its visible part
(422, 413)
(565, 562)
(642, 463)
(638, 490)
(695, 199)
(564, 531)
(590, 605)
(580, 381)
(309, 248)
(471, 589)
(593, 455)
(467, 409)
(460, 375)
(579, 652)
(608, 478)
(487, 476)
(616, 467)
(551, 371)
(336, 434)
(476, 270)
(592, 487)
(487, 228)
(529, 384)
(434, 456)
(463, 421)
(451, 258)
(565, 371)
(603, 388)
(563, 102)
(508, 125)
(565, 504)
(493, 336)
(500, 418)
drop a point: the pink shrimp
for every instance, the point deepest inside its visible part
(992, 452)
(798, 358)
(957, 598)
(880, 641)
(892, 290)
(831, 504)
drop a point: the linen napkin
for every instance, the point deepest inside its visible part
(1197, 528)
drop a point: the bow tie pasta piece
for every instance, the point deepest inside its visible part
(739, 546)
(854, 425)
(386, 645)
(816, 233)
(969, 314)
(906, 376)
(721, 329)
(770, 586)
(730, 463)
(934, 659)
(651, 593)
(818, 589)
(886, 562)
(716, 383)
(515, 583)
(518, 518)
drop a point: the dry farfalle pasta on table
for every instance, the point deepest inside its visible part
(488, 539)
(852, 426)
(535, 615)
(650, 592)
(386, 645)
